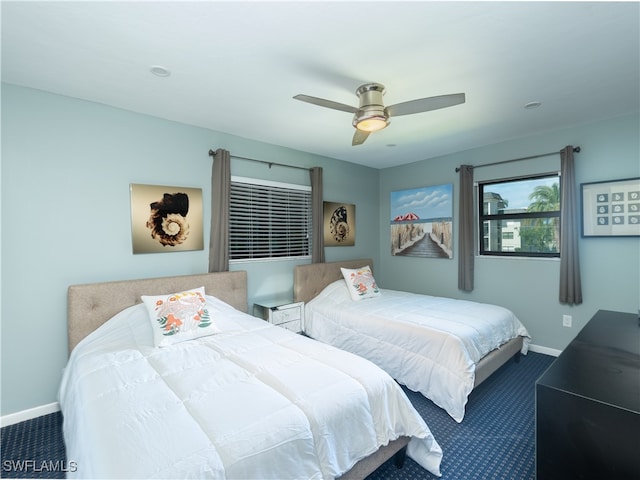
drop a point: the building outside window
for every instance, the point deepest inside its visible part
(520, 217)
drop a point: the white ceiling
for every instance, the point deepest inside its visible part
(235, 66)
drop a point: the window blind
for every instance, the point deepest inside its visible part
(269, 220)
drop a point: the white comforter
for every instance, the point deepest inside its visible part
(430, 344)
(255, 401)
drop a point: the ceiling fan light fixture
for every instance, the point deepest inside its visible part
(371, 115)
(371, 124)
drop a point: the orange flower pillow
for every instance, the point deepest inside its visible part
(179, 316)
(360, 282)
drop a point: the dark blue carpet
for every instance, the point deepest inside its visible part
(34, 449)
(495, 441)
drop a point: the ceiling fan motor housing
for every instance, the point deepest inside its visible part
(371, 114)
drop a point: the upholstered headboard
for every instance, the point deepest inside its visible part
(90, 305)
(310, 280)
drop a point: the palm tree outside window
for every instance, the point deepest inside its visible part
(520, 217)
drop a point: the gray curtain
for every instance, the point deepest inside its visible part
(317, 241)
(466, 251)
(220, 191)
(570, 283)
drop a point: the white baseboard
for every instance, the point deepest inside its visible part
(23, 415)
(546, 350)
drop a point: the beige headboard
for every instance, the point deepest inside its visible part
(90, 305)
(310, 280)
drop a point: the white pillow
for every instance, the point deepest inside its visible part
(180, 316)
(360, 282)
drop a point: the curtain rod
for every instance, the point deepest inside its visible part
(575, 149)
(212, 153)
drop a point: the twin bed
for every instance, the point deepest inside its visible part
(246, 400)
(440, 347)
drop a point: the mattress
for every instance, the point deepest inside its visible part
(430, 344)
(253, 401)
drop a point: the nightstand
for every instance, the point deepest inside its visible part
(281, 312)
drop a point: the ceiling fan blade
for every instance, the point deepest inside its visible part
(326, 103)
(359, 137)
(425, 104)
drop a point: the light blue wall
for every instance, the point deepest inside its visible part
(610, 266)
(66, 170)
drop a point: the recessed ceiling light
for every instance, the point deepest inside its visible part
(391, 144)
(532, 105)
(160, 71)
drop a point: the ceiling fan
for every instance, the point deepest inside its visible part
(372, 115)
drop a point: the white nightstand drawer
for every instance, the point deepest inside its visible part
(283, 313)
(286, 314)
(294, 326)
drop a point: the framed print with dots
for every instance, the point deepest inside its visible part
(611, 208)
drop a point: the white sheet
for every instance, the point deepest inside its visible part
(430, 344)
(255, 401)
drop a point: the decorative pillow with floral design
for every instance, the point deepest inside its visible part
(179, 316)
(360, 282)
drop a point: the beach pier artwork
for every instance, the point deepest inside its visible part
(422, 222)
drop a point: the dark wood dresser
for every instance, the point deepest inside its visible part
(588, 404)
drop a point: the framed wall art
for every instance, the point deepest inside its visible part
(611, 208)
(422, 222)
(339, 224)
(166, 219)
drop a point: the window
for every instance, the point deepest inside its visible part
(520, 217)
(268, 220)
